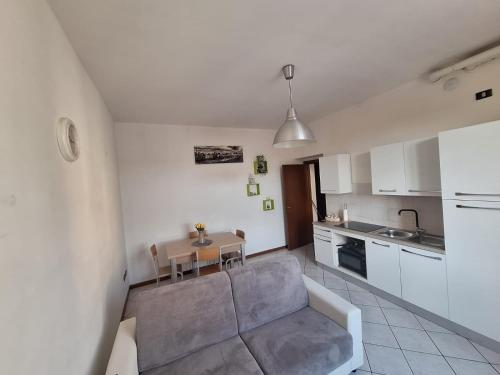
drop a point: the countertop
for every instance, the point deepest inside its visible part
(333, 226)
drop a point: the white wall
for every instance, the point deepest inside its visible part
(164, 193)
(414, 110)
(61, 238)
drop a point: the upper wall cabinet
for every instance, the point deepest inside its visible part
(335, 174)
(470, 162)
(407, 168)
(388, 170)
(423, 176)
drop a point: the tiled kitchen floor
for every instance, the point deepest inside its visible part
(396, 341)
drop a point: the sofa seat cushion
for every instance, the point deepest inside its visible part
(305, 342)
(179, 319)
(267, 290)
(226, 358)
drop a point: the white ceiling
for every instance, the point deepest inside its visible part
(217, 62)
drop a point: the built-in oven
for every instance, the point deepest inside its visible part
(352, 256)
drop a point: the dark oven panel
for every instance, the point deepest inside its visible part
(352, 255)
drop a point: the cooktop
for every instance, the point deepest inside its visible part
(360, 227)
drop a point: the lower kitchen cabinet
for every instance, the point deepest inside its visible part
(324, 251)
(382, 264)
(423, 279)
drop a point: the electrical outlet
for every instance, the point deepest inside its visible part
(484, 94)
(124, 275)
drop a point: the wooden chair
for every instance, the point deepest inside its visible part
(194, 234)
(162, 271)
(208, 254)
(234, 257)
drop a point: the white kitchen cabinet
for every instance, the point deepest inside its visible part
(423, 279)
(470, 160)
(407, 168)
(422, 172)
(335, 174)
(388, 169)
(382, 264)
(324, 249)
(472, 237)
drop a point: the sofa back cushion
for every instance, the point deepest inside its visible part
(267, 290)
(176, 320)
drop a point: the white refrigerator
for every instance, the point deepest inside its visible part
(470, 179)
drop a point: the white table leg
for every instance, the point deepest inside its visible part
(173, 268)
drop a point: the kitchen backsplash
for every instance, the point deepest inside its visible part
(383, 210)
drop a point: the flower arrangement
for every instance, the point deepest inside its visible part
(200, 227)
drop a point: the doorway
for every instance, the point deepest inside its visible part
(317, 197)
(297, 205)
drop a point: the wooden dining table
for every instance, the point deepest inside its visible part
(184, 250)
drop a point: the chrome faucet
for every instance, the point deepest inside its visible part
(417, 225)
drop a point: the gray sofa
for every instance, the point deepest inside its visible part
(265, 317)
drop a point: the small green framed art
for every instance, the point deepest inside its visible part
(253, 190)
(268, 204)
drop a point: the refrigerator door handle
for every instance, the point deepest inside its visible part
(458, 194)
(478, 208)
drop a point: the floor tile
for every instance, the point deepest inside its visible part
(363, 298)
(401, 318)
(455, 346)
(343, 293)
(366, 364)
(334, 282)
(464, 367)
(490, 355)
(372, 314)
(414, 339)
(387, 361)
(497, 367)
(427, 364)
(378, 334)
(318, 279)
(388, 305)
(354, 287)
(430, 326)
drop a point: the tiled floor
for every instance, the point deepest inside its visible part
(396, 341)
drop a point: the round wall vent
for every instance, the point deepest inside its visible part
(67, 139)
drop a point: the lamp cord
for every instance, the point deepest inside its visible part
(290, 92)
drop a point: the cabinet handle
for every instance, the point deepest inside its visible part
(423, 191)
(324, 230)
(387, 190)
(421, 255)
(320, 239)
(380, 244)
(479, 208)
(477, 194)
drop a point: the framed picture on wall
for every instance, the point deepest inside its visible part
(218, 154)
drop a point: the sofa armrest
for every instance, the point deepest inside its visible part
(123, 359)
(339, 310)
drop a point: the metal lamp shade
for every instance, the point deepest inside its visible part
(293, 133)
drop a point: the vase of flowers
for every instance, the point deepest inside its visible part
(201, 232)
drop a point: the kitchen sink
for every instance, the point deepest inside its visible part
(396, 233)
(429, 240)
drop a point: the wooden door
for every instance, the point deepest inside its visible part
(297, 205)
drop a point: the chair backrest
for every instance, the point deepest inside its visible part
(208, 254)
(154, 255)
(194, 234)
(240, 233)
